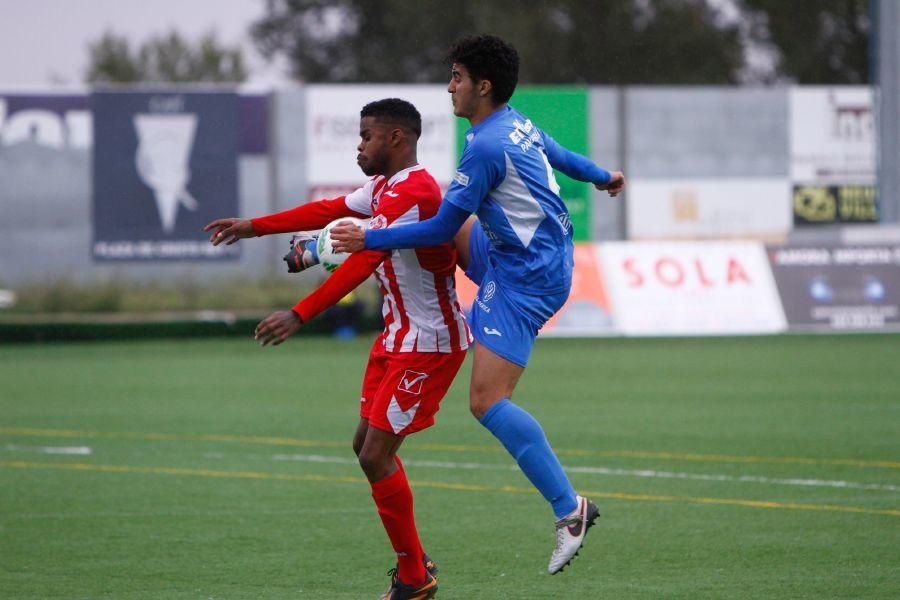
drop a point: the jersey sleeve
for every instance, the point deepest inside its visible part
(312, 215)
(573, 164)
(360, 201)
(481, 169)
(356, 269)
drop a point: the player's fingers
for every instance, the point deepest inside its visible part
(266, 338)
(261, 329)
(215, 223)
(346, 247)
(215, 233)
(227, 235)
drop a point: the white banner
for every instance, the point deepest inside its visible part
(832, 135)
(684, 288)
(332, 125)
(755, 208)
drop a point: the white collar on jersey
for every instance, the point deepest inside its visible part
(401, 175)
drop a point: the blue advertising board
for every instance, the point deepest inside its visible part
(165, 165)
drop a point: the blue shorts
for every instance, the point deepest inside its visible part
(505, 321)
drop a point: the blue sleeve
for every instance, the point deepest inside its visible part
(481, 168)
(572, 164)
(438, 229)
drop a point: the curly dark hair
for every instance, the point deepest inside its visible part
(396, 112)
(488, 57)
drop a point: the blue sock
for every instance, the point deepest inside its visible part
(524, 439)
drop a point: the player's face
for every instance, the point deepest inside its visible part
(373, 148)
(463, 91)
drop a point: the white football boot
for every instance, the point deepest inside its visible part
(570, 532)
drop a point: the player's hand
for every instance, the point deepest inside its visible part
(229, 230)
(277, 327)
(615, 185)
(347, 237)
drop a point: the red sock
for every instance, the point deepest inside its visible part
(395, 506)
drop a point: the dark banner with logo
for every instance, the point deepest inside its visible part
(828, 204)
(165, 165)
(838, 287)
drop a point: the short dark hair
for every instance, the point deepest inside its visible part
(396, 112)
(488, 57)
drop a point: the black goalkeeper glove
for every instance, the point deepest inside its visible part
(303, 252)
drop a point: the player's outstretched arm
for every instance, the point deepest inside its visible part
(282, 324)
(437, 230)
(582, 168)
(306, 217)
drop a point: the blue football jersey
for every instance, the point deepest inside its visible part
(505, 177)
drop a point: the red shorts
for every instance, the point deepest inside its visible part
(402, 391)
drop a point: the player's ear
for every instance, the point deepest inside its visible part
(484, 87)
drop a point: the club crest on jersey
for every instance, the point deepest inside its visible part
(484, 296)
(489, 290)
(411, 382)
(379, 222)
(564, 221)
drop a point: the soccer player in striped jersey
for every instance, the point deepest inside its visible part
(519, 251)
(425, 337)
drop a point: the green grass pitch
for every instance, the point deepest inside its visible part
(724, 468)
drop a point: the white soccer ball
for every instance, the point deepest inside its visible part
(330, 259)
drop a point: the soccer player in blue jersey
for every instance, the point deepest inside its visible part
(519, 252)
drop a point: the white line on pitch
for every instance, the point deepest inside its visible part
(319, 458)
(76, 450)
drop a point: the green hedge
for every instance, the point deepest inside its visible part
(31, 332)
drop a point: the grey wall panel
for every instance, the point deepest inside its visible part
(288, 139)
(46, 231)
(707, 132)
(889, 110)
(605, 120)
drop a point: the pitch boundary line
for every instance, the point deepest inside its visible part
(296, 442)
(469, 487)
(644, 473)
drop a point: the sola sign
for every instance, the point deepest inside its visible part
(684, 288)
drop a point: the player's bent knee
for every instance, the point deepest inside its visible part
(481, 403)
(359, 438)
(358, 441)
(375, 465)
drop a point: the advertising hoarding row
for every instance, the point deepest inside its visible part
(724, 288)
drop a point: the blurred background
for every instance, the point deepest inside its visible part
(760, 140)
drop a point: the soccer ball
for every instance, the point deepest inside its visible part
(330, 259)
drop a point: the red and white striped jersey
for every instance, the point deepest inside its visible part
(421, 311)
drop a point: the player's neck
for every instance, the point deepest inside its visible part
(485, 110)
(397, 166)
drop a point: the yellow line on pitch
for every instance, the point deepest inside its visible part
(468, 487)
(283, 441)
